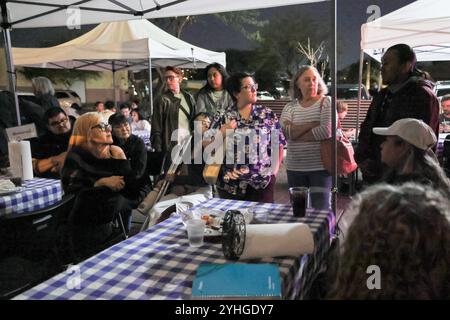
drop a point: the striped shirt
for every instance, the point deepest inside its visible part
(305, 156)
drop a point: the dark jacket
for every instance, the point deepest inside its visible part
(413, 99)
(137, 182)
(81, 169)
(95, 205)
(191, 173)
(165, 119)
(50, 144)
(47, 101)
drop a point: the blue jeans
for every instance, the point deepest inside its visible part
(319, 182)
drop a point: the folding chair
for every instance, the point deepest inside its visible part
(28, 247)
(158, 192)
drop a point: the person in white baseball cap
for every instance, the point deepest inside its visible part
(408, 155)
(414, 131)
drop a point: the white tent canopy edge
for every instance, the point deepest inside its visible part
(45, 13)
(424, 25)
(121, 40)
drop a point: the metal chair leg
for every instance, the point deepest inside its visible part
(122, 227)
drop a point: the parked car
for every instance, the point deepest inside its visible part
(70, 101)
(442, 88)
(264, 95)
(68, 98)
(350, 92)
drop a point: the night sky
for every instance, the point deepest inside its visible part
(212, 34)
(351, 14)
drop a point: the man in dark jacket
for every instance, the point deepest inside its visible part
(407, 95)
(173, 110)
(49, 150)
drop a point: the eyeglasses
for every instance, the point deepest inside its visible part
(251, 87)
(59, 123)
(171, 78)
(103, 127)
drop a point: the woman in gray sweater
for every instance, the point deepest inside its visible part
(213, 97)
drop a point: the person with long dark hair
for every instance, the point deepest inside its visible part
(213, 97)
(409, 94)
(398, 246)
(138, 122)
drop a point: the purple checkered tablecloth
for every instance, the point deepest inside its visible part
(37, 193)
(160, 264)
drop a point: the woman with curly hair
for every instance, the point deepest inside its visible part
(404, 231)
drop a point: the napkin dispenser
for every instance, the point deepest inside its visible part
(20, 159)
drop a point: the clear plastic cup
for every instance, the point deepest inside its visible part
(260, 214)
(196, 231)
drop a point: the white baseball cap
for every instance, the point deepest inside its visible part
(414, 131)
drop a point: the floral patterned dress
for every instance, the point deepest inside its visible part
(248, 148)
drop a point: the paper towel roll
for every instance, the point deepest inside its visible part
(20, 159)
(276, 240)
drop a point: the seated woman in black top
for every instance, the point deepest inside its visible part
(137, 183)
(94, 171)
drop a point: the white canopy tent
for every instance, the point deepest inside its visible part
(129, 42)
(46, 13)
(134, 44)
(424, 25)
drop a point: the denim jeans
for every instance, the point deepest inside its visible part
(319, 183)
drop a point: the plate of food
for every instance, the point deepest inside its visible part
(213, 219)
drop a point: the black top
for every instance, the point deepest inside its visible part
(191, 174)
(412, 99)
(137, 182)
(49, 145)
(81, 169)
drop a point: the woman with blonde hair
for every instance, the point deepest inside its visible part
(94, 172)
(305, 122)
(398, 246)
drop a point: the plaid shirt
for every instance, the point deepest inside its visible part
(253, 137)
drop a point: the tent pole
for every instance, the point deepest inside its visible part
(361, 61)
(150, 86)
(333, 104)
(114, 83)
(9, 61)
